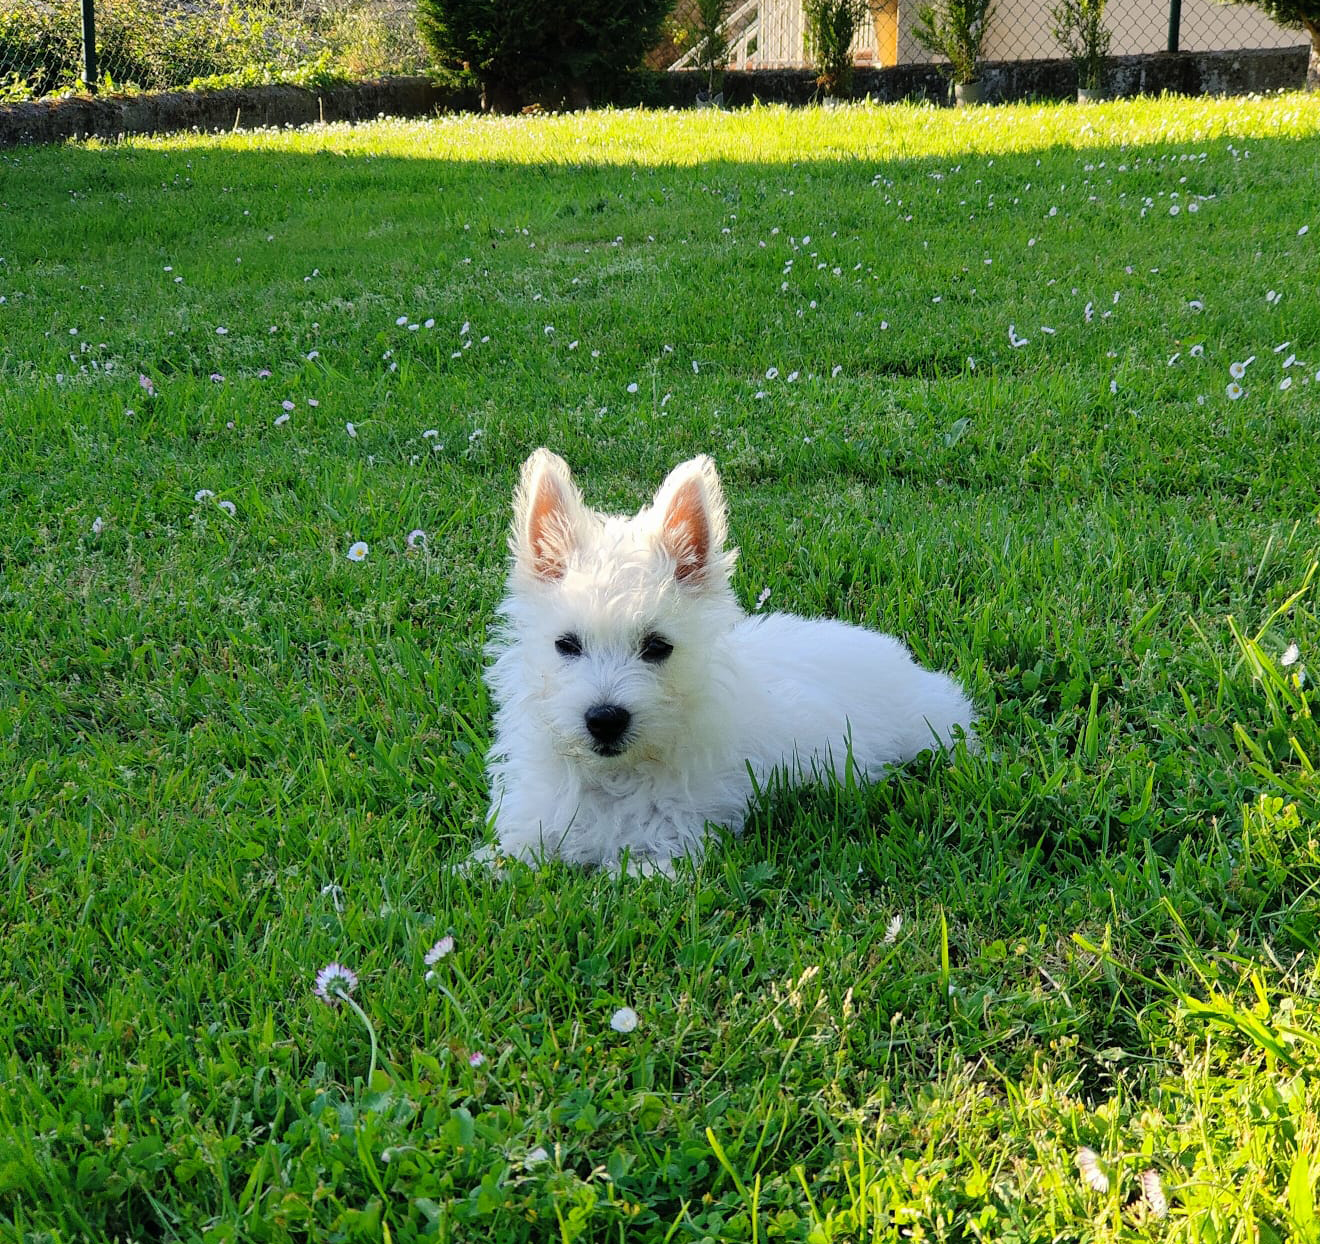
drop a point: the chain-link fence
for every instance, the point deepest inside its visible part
(770, 34)
(49, 46)
(163, 44)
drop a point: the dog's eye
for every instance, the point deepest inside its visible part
(655, 648)
(568, 645)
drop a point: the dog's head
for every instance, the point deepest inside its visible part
(615, 619)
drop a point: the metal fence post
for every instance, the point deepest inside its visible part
(1175, 22)
(89, 45)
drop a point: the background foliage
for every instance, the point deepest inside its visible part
(147, 45)
(540, 51)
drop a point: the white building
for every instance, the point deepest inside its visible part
(768, 34)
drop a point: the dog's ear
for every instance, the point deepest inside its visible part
(547, 509)
(693, 527)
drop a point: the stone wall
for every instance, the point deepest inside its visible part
(1180, 73)
(108, 116)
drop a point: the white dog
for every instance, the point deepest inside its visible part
(636, 702)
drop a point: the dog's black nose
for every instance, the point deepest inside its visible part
(607, 724)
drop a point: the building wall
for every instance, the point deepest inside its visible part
(1020, 30)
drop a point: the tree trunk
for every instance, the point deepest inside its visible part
(1313, 65)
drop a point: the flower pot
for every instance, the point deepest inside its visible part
(1088, 94)
(966, 93)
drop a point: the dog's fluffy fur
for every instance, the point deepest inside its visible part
(636, 702)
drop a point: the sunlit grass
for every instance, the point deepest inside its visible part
(234, 754)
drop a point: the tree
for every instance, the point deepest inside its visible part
(1297, 15)
(553, 52)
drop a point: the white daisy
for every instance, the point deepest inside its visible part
(1088, 1164)
(624, 1019)
(335, 979)
(445, 946)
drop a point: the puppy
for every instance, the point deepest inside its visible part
(635, 702)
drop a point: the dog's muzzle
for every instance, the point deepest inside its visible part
(607, 724)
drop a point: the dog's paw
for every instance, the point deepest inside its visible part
(485, 860)
(644, 866)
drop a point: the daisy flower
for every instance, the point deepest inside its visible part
(416, 538)
(229, 507)
(445, 946)
(1234, 390)
(624, 1019)
(1088, 1165)
(334, 979)
(359, 551)
(1153, 1191)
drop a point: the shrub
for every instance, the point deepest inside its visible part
(712, 47)
(954, 29)
(831, 26)
(545, 51)
(1079, 28)
(39, 49)
(164, 44)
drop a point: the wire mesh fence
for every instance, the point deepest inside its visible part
(164, 44)
(771, 34)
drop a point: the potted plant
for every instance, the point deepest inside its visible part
(831, 26)
(1079, 28)
(711, 50)
(954, 30)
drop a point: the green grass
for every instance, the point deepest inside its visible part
(231, 755)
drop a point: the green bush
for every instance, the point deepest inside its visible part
(831, 26)
(39, 49)
(955, 30)
(554, 52)
(155, 45)
(1079, 28)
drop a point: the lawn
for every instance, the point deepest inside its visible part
(1035, 388)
